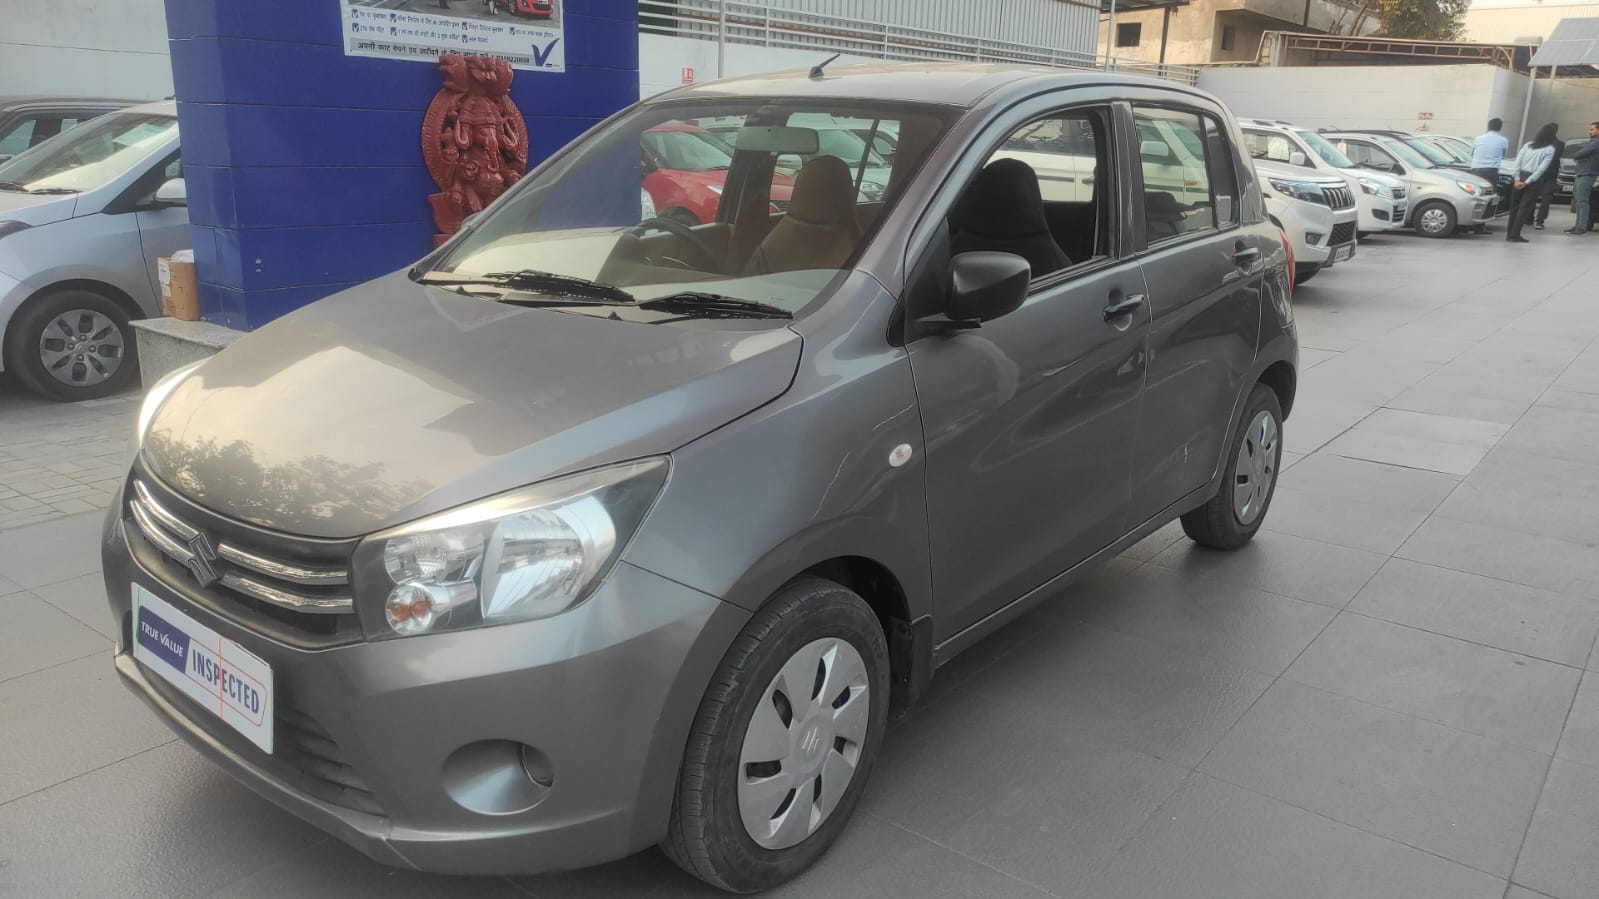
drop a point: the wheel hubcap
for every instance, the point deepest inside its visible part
(1434, 220)
(81, 348)
(1255, 469)
(803, 743)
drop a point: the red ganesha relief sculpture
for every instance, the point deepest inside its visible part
(474, 140)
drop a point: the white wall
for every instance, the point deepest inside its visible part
(1460, 98)
(114, 48)
(1065, 25)
(1510, 21)
(661, 60)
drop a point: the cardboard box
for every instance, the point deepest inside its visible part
(180, 290)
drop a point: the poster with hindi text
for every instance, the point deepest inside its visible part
(527, 33)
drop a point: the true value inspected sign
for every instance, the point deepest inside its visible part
(529, 34)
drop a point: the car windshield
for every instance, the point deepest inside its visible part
(1425, 149)
(1408, 154)
(92, 154)
(1328, 153)
(1572, 146)
(686, 148)
(730, 217)
(1449, 149)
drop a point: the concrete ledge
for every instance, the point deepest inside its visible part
(166, 344)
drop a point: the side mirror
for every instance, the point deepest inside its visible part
(987, 285)
(1155, 149)
(1298, 158)
(172, 193)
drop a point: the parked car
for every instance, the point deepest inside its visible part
(586, 534)
(1380, 197)
(685, 171)
(27, 121)
(1317, 213)
(1437, 156)
(1458, 147)
(841, 136)
(1442, 200)
(1566, 179)
(83, 218)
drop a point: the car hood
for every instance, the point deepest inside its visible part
(395, 400)
(36, 209)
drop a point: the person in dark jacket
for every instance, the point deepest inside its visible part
(1535, 162)
(1546, 188)
(1587, 159)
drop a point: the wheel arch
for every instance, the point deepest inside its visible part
(1283, 381)
(115, 294)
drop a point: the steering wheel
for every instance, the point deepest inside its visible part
(707, 260)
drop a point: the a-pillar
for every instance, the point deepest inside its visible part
(304, 164)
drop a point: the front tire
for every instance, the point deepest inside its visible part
(784, 740)
(1436, 219)
(72, 345)
(1231, 517)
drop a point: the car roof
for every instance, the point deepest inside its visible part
(942, 83)
(22, 101)
(1268, 124)
(167, 107)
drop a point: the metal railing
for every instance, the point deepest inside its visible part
(732, 22)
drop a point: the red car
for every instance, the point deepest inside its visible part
(685, 167)
(535, 9)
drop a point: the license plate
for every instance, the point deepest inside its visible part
(226, 679)
(1344, 253)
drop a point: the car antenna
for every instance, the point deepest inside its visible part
(816, 70)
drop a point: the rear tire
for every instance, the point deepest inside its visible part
(72, 344)
(1231, 517)
(732, 803)
(1436, 219)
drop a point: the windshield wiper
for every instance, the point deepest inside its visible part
(542, 282)
(13, 186)
(54, 190)
(714, 305)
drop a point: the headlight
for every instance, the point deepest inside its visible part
(153, 399)
(1467, 186)
(530, 553)
(1371, 187)
(1299, 190)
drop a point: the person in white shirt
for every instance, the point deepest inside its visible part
(1487, 152)
(1534, 163)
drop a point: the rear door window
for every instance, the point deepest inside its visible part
(1179, 198)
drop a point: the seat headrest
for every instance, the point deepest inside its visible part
(1004, 200)
(824, 192)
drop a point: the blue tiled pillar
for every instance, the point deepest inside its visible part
(304, 165)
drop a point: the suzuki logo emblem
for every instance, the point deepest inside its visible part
(200, 562)
(812, 741)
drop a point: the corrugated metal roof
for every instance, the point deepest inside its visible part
(1575, 42)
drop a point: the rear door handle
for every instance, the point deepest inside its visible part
(1125, 306)
(1246, 257)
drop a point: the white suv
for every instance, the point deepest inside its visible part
(1316, 212)
(1381, 197)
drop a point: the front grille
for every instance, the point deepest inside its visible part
(302, 744)
(266, 583)
(1339, 197)
(1342, 233)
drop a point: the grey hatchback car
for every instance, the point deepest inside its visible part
(595, 530)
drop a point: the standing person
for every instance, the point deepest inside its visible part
(1587, 158)
(1487, 152)
(1546, 188)
(1533, 163)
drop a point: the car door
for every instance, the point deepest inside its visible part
(1028, 419)
(1205, 273)
(163, 230)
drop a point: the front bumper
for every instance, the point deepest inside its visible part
(408, 733)
(1377, 214)
(1476, 211)
(12, 294)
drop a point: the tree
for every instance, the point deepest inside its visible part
(1426, 20)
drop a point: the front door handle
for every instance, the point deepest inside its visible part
(1125, 306)
(1245, 257)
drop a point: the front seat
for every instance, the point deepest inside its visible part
(1003, 211)
(819, 230)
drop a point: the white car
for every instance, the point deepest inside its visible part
(1317, 212)
(1382, 198)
